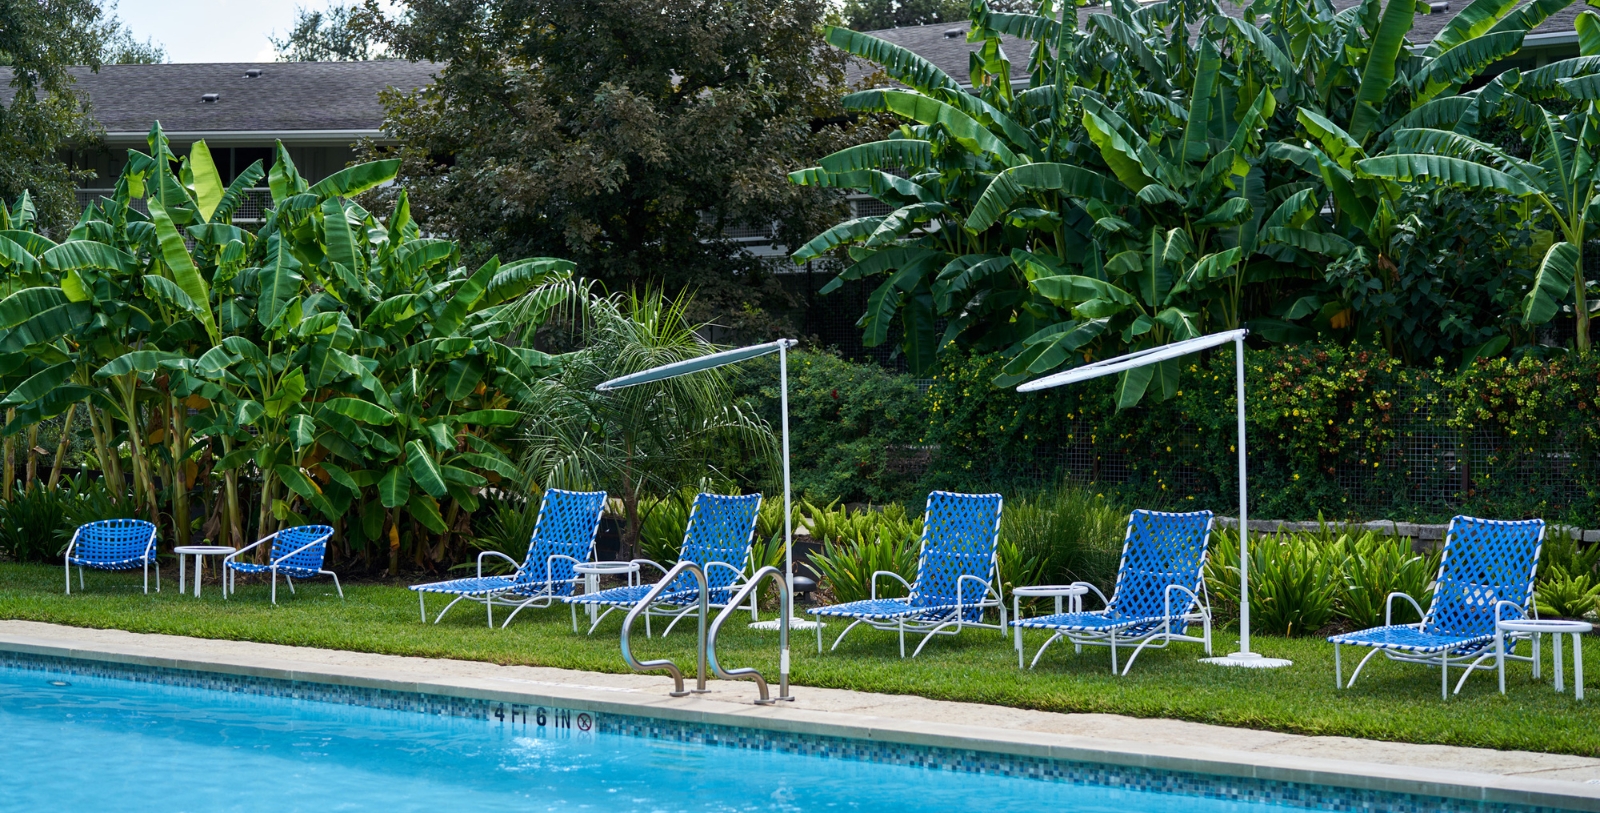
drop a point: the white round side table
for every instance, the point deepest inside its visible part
(197, 551)
(592, 571)
(1072, 592)
(1555, 629)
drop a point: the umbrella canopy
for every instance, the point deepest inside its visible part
(695, 365)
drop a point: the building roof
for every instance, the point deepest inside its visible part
(334, 101)
(945, 44)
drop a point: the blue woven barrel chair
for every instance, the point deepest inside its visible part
(296, 553)
(563, 537)
(113, 544)
(955, 576)
(1160, 591)
(1486, 576)
(718, 539)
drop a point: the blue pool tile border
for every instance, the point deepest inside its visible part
(1296, 795)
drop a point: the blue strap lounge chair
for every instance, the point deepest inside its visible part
(718, 540)
(1485, 576)
(1160, 591)
(297, 553)
(113, 544)
(955, 576)
(563, 537)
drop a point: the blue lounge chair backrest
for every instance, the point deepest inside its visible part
(1160, 550)
(1485, 561)
(959, 533)
(567, 524)
(720, 530)
(291, 539)
(113, 542)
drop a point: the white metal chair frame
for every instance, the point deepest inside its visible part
(1444, 660)
(149, 555)
(228, 585)
(953, 615)
(513, 597)
(1111, 636)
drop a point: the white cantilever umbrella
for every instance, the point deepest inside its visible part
(700, 363)
(1244, 657)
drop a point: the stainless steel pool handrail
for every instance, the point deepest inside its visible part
(786, 609)
(665, 664)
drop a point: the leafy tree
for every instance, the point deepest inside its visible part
(872, 15)
(624, 139)
(119, 46)
(39, 39)
(335, 35)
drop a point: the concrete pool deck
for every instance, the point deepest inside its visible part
(1504, 777)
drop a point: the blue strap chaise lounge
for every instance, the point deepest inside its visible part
(563, 537)
(113, 544)
(297, 553)
(955, 576)
(1486, 576)
(718, 540)
(1160, 591)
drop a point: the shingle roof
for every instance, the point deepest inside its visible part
(287, 96)
(945, 44)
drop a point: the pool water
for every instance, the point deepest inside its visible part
(77, 743)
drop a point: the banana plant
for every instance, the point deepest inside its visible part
(1560, 178)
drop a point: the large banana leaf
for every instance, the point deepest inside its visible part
(352, 181)
(1460, 64)
(207, 181)
(1443, 169)
(39, 384)
(1378, 75)
(1121, 156)
(1016, 182)
(850, 231)
(926, 110)
(899, 63)
(893, 153)
(1551, 284)
(1473, 21)
(176, 256)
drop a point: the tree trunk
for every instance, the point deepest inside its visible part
(265, 514)
(230, 480)
(32, 468)
(178, 433)
(630, 515)
(9, 469)
(110, 460)
(1582, 306)
(61, 448)
(394, 542)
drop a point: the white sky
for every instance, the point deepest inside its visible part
(213, 30)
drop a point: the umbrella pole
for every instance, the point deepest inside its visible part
(788, 511)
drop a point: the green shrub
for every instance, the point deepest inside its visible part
(857, 544)
(850, 424)
(1376, 565)
(507, 527)
(1061, 535)
(1567, 595)
(663, 521)
(1294, 584)
(32, 522)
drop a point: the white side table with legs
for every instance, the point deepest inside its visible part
(592, 571)
(197, 551)
(1554, 628)
(1072, 592)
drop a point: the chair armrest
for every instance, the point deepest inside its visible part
(550, 566)
(313, 543)
(493, 553)
(897, 577)
(1103, 600)
(71, 543)
(1513, 605)
(738, 573)
(1388, 607)
(651, 563)
(1166, 598)
(988, 589)
(150, 547)
(256, 544)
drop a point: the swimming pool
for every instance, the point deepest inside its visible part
(76, 741)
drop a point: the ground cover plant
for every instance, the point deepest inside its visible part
(1391, 702)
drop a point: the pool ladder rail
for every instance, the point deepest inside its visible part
(706, 640)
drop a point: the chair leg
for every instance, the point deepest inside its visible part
(488, 606)
(422, 605)
(819, 631)
(147, 578)
(1360, 666)
(902, 637)
(1040, 653)
(80, 577)
(158, 578)
(68, 568)
(274, 585)
(1338, 673)
(574, 617)
(336, 585)
(1113, 652)
(836, 641)
(1444, 676)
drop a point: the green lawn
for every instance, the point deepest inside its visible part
(1391, 702)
